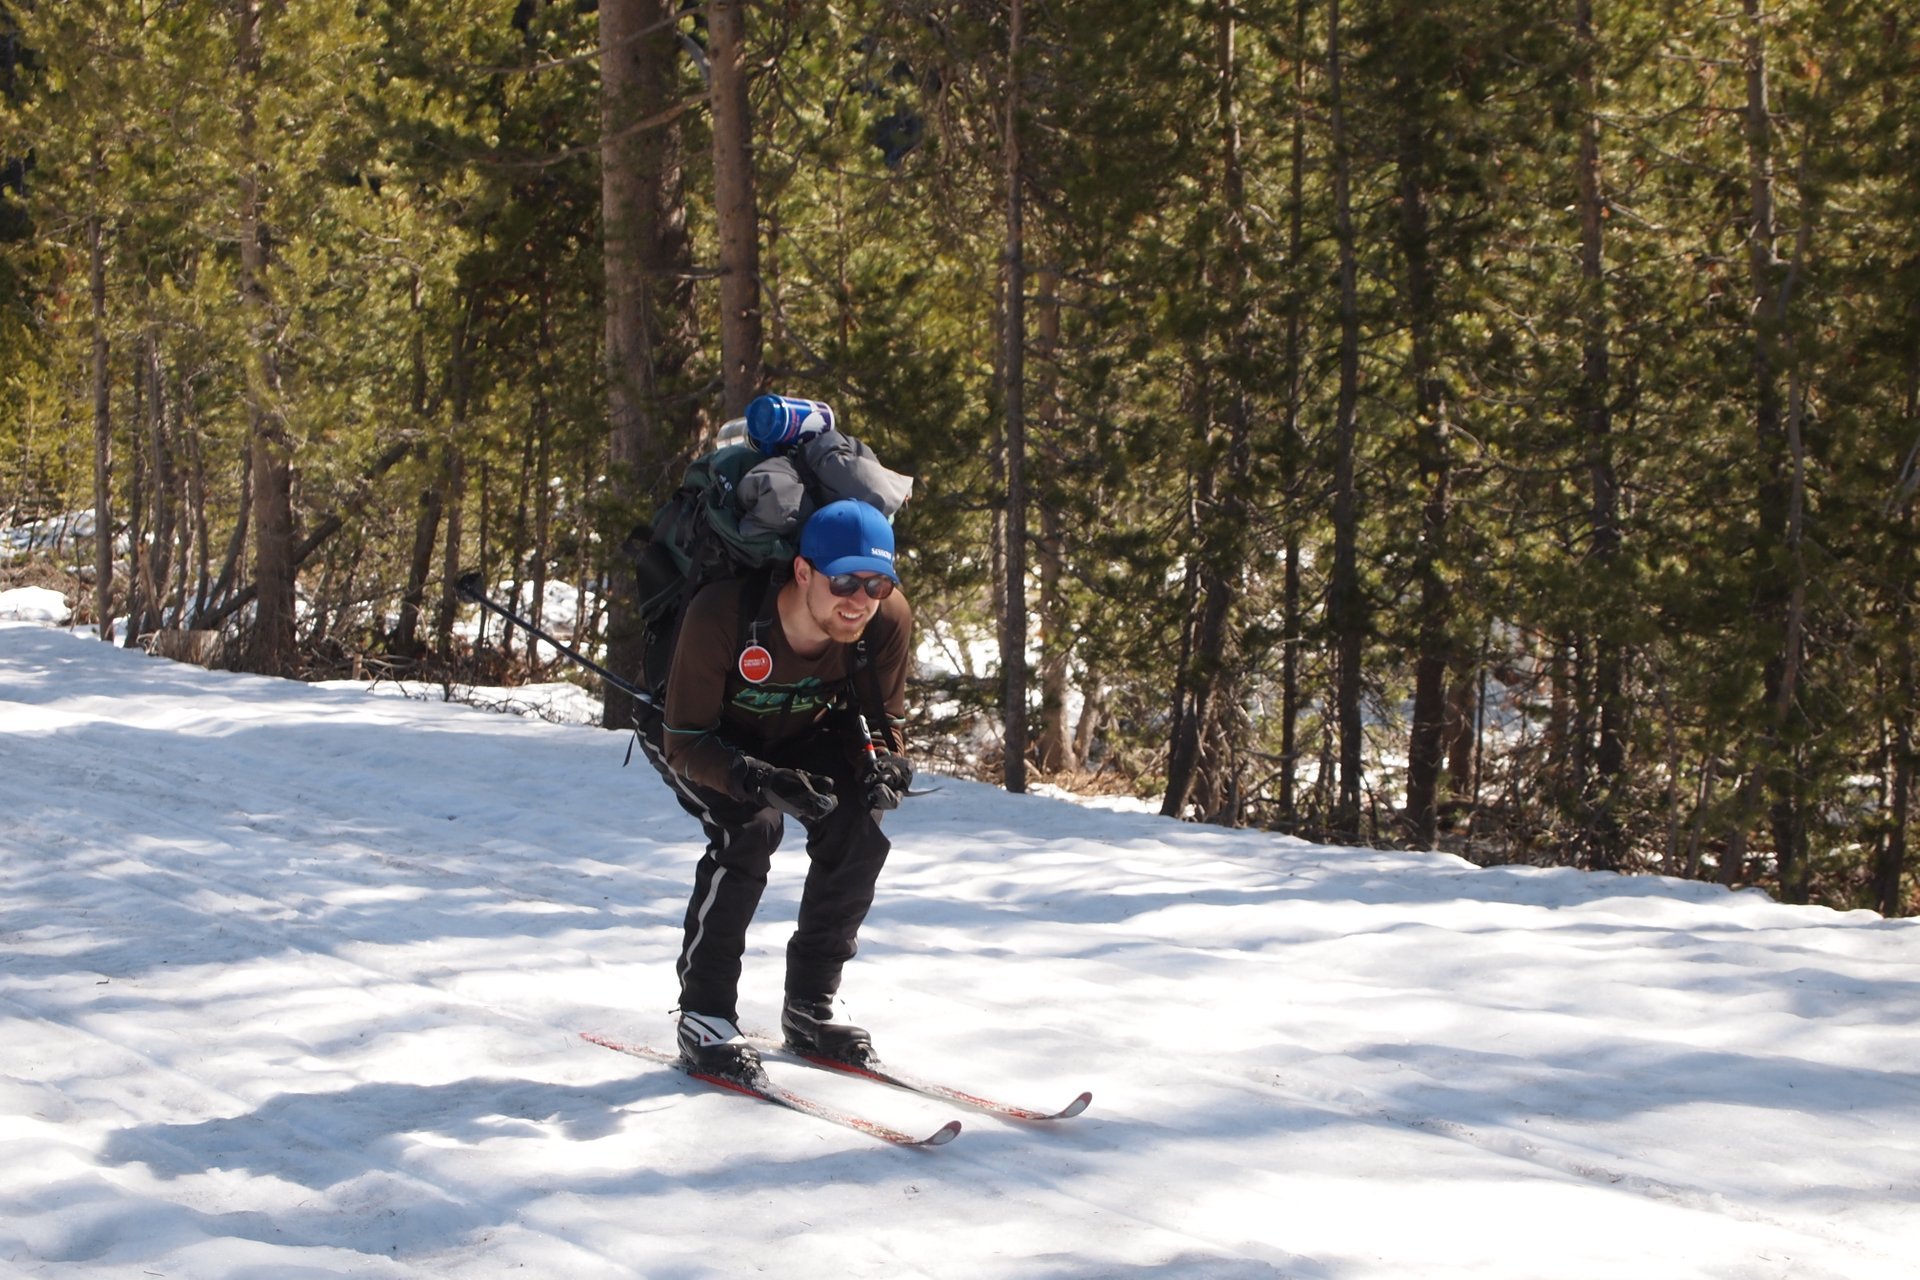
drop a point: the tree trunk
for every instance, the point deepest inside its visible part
(139, 576)
(220, 600)
(1733, 862)
(272, 647)
(157, 554)
(1054, 751)
(1346, 605)
(454, 483)
(197, 500)
(1782, 592)
(1606, 837)
(1434, 610)
(1463, 731)
(734, 207)
(426, 531)
(1293, 621)
(519, 543)
(543, 470)
(1183, 725)
(1091, 708)
(426, 527)
(454, 505)
(102, 437)
(648, 271)
(1891, 865)
(1890, 873)
(186, 483)
(1702, 805)
(302, 551)
(1013, 633)
(1200, 752)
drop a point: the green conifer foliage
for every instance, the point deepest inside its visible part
(1485, 425)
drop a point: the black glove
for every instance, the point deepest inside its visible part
(794, 792)
(887, 780)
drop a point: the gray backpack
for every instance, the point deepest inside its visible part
(738, 514)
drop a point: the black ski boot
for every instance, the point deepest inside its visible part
(713, 1046)
(807, 1022)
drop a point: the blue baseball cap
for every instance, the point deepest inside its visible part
(849, 536)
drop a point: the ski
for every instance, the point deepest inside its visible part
(884, 1074)
(768, 1091)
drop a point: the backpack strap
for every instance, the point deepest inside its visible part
(756, 612)
(760, 602)
(865, 695)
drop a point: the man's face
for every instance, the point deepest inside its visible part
(843, 618)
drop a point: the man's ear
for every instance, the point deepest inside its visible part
(802, 572)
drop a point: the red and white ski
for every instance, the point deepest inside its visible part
(928, 1088)
(780, 1096)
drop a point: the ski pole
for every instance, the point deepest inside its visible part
(469, 588)
(871, 755)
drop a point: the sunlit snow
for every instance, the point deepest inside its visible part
(292, 981)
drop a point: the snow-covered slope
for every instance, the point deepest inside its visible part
(292, 981)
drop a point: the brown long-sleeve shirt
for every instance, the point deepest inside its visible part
(714, 713)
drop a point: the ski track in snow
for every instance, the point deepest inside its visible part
(299, 976)
(329, 944)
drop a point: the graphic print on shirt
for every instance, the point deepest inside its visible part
(800, 697)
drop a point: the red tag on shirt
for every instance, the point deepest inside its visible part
(756, 664)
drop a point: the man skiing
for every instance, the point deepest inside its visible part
(787, 699)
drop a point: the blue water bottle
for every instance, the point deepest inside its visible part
(777, 423)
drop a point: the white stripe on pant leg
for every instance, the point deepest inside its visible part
(700, 918)
(721, 838)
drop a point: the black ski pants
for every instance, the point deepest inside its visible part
(845, 851)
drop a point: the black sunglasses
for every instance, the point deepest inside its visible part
(846, 584)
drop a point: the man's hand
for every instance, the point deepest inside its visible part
(794, 792)
(799, 794)
(888, 780)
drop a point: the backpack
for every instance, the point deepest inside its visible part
(738, 514)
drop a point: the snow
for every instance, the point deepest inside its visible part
(67, 533)
(34, 604)
(559, 701)
(292, 980)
